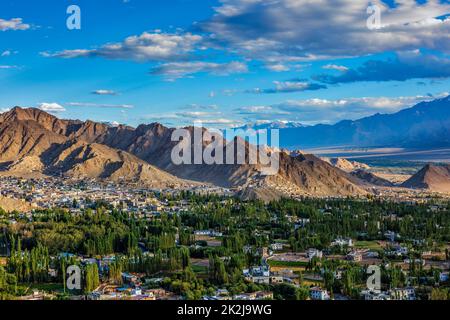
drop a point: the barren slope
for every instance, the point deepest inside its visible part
(431, 177)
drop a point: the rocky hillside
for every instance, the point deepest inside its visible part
(32, 140)
(372, 179)
(346, 165)
(432, 178)
(302, 174)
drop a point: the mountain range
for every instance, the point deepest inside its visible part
(425, 125)
(33, 142)
(271, 125)
(346, 165)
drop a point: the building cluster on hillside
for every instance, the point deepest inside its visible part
(76, 196)
(341, 242)
(223, 294)
(258, 274)
(407, 293)
(281, 262)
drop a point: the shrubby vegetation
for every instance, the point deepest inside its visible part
(164, 245)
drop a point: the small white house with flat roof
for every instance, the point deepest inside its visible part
(317, 293)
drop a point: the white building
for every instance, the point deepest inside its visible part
(408, 293)
(276, 246)
(355, 256)
(375, 295)
(341, 242)
(390, 235)
(398, 251)
(259, 274)
(301, 223)
(317, 293)
(311, 253)
(136, 292)
(210, 233)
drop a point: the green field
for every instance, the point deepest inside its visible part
(199, 269)
(372, 245)
(287, 264)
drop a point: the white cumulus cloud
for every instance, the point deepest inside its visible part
(335, 67)
(297, 30)
(328, 110)
(176, 70)
(148, 46)
(13, 24)
(51, 107)
(104, 92)
(98, 105)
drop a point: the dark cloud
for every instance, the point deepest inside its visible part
(290, 86)
(284, 31)
(401, 68)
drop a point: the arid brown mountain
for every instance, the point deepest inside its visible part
(372, 179)
(34, 143)
(431, 177)
(32, 140)
(317, 177)
(27, 133)
(299, 175)
(346, 165)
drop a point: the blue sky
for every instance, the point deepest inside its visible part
(225, 62)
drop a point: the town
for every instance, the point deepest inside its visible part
(136, 244)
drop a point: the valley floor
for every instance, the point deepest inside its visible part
(387, 155)
(137, 244)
